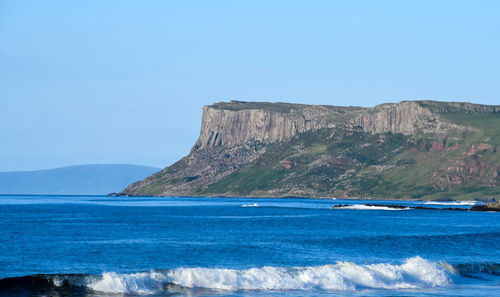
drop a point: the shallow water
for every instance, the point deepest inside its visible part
(95, 245)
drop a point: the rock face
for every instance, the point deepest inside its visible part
(404, 118)
(221, 126)
(493, 206)
(411, 149)
(228, 127)
(199, 168)
(239, 122)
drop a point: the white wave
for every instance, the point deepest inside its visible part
(451, 202)
(141, 283)
(414, 273)
(250, 205)
(369, 207)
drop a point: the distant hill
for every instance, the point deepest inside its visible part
(73, 180)
(406, 150)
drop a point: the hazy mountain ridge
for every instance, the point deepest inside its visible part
(411, 149)
(93, 179)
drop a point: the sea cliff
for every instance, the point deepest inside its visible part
(410, 150)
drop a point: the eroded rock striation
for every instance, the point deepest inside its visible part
(404, 118)
(238, 122)
(411, 150)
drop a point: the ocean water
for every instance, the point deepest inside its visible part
(129, 246)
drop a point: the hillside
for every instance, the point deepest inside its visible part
(407, 150)
(73, 180)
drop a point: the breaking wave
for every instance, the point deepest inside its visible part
(451, 202)
(250, 205)
(413, 273)
(369, 207)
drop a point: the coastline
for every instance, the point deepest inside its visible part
(484, 200)
(489, 205)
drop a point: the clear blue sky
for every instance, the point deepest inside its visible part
(124, 81)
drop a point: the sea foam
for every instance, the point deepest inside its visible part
(451, 202)
(369, 207)
(250, 205)
(415, 272)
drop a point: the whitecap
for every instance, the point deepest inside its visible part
(369, 207)
(250, 205)
(116, 283)
(451, 202)
(414, 273)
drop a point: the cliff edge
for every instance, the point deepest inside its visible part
(410, 150)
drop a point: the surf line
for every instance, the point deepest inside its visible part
(394, 206)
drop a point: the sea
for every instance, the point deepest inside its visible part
(171, 246)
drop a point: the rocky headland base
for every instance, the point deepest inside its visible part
(495, 207)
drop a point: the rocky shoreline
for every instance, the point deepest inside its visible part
(494, 206)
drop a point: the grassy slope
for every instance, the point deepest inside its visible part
(278, 106)
(414, 176)
(319, 160)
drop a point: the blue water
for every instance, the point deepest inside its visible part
(107, 246)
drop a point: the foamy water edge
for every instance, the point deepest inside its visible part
(414, 273)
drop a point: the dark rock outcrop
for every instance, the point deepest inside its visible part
(493, 206)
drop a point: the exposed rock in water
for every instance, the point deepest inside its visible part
(494, 206)
(406, 150)
(402, 207)
(488, 207)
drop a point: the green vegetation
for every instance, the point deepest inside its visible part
(487, 124)
(276, 106)
(423, 173)
(316, 161)
(241, 105)
(156, 188)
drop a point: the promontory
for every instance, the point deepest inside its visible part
(406, 150)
